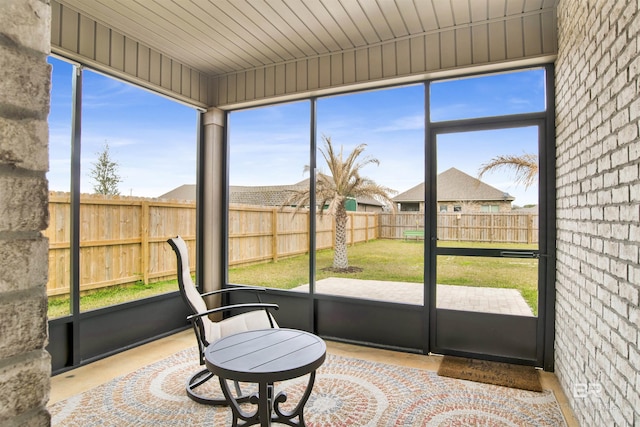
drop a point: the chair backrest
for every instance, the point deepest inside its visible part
(187, 287)
(188, 290)
(205, 329)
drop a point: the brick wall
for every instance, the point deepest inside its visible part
(24, 106)
(598, 151)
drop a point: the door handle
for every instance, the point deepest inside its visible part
(515, 254)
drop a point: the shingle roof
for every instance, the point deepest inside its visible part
(265, 195)
(184, 192)
(414, 194)
(455, 185)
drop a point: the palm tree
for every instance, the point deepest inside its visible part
(525, 167)
(333, 191)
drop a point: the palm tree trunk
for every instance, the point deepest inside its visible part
(340, 260)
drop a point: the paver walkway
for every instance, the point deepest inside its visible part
(467, 298)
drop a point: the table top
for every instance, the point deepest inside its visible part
(266, 355)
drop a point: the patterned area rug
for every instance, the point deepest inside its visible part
(347, 392)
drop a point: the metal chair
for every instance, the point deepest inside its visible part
(254, 315)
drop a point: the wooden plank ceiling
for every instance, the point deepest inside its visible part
(218, 37)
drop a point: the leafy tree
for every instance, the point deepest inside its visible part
(524, 166)
(333, 191)
(105, 174)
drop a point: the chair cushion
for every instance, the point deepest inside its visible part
(240, 323)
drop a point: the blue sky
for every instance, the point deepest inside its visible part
(154, 139)
(272, 142)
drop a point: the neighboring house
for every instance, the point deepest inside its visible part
(368, 204)
(268, 195)
(457, 192)
(184, 192)
(263, 195)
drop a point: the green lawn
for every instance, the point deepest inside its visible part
(402, 261)
(390, 260)
(393, 260)
(90, 300)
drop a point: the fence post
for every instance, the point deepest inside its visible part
(274, 238)
(366, 228)
(529, 228)
(492, 229)
(144, 241)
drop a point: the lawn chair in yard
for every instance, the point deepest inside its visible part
(254, 315)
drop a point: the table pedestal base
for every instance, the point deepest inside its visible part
(201, 377)
(268, 410)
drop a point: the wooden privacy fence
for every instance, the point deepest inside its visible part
(123, 239)
(259, 234)
(500, 227)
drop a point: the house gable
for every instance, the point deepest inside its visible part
(456, 188)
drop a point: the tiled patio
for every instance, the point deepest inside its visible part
(467, 298)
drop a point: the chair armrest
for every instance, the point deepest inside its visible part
(227, 290)
(233, 307)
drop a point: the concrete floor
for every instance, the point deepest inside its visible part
(86, 377)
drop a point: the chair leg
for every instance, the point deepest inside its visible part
(201, 377)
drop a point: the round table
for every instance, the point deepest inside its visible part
(266, 356)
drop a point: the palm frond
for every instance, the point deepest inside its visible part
(344, 180)
(525, 167)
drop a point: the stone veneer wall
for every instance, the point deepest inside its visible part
(598, 151)
(24, 105)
